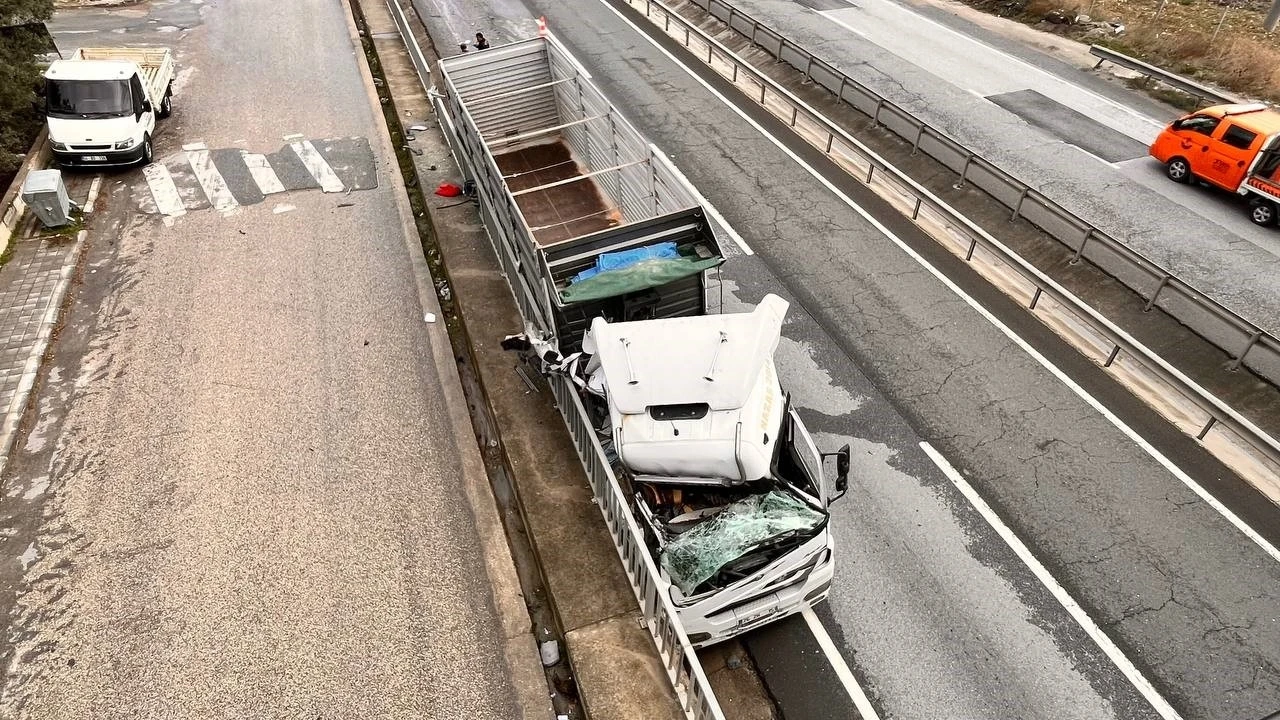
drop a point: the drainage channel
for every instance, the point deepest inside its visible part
(561, 684)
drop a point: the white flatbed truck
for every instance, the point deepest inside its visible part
(101, 104)
(679, 412)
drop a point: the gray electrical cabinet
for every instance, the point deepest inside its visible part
(44, 192)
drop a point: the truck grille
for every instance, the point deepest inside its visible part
(88, 147)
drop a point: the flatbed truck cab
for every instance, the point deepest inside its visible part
(1232, 147)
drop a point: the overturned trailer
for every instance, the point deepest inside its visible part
(607, 250)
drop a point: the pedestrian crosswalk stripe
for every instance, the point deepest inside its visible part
(262, 173)
(215, 188)
(316, 165)
(163, 189)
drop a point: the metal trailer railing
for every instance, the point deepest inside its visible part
(935, 217)
(680, 660)
(1186, 85)
(1244, 341)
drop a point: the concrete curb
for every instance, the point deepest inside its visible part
(11, 206)
(521, 650)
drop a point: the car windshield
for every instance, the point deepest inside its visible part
(88, 98)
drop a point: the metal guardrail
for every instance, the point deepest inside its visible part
(1186, 85)
(1242, 340)
(934, 216)
(679, 659)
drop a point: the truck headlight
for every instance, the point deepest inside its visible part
(125, 144)
(57, 145)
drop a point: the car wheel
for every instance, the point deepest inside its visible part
(166, 105)
(1178, 170)
(146, 150)
(1262, 212)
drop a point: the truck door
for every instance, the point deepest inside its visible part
(142, 109)
(806, 452)
(1194, 134)
(1230, 156)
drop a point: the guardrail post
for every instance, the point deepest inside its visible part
(807, 68)
(686, 36)
(1080, 250)
(1018, 208)
(870, 171)
(840, 92)
(795, 113)
(875, 119)
(666, 23)
(915, 214)
(754, 27)
(964, 173)
(710, 47)
(1112, 357)
(830, 140)
(1035, 298)
(1207, 427)
(973, 245)
(648, 6)
(1152, 302)
(1253, 340)
(762, 89)
(729, 22)
(735, 73)
(915, 146)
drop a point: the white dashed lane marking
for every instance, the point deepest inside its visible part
(215, 188)
(317, 166)
(263, 174)
(163, 189)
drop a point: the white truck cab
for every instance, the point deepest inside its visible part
(101, 104)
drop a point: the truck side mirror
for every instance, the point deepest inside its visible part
(146, 106)
(842, 470)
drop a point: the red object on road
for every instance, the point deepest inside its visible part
(448, 190)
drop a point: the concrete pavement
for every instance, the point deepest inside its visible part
(252, 488)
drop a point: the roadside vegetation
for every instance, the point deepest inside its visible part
(22, 41)
(1216, 41)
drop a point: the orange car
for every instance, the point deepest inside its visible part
(1231, 146)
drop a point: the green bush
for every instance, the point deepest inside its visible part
(19, 77)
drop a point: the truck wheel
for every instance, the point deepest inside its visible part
(166, 105)
(1262, 212)
(1178, 170)
(146, 150)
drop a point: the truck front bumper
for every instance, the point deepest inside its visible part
(99, 158)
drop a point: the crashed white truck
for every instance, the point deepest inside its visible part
(608, 251)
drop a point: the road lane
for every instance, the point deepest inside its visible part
(258, 482)
(943, 619)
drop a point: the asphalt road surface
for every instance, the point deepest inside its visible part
(931, 609)
(246, 489)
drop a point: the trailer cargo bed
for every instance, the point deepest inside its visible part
(569, 207)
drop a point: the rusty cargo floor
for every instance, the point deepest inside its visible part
(561, 212)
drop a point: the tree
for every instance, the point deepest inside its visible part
(22, 40)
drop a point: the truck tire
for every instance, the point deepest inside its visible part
(1178, 170)
(147, 151)
(166, 105)
(1262, 212)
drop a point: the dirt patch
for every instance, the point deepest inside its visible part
(1215, 41)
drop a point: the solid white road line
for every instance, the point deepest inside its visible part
(164, 190)
(263, 174)
(316, 165)
(851, 686)
(215, 188)
(956, 289)
(1072, 607)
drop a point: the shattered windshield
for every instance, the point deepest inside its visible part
(88, 98)
(751, 524)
